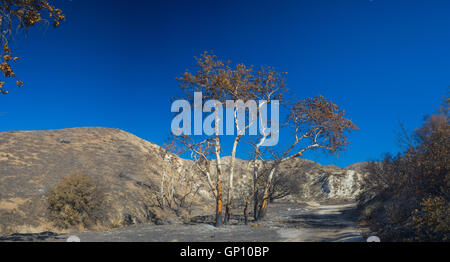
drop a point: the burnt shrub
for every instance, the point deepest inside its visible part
(407, 196)
(76, 201)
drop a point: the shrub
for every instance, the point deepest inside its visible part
(432, 220)
(412, 187)
(75, 201)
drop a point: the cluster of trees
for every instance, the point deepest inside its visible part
(314, 123)
(407, 195)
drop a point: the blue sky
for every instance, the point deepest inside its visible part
(114, 63)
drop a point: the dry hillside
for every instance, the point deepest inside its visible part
(129, 171)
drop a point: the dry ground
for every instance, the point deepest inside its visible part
(284, 222)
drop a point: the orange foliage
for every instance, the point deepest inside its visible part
(21, 14)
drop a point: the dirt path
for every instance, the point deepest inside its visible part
(326, 222)
(284, 222)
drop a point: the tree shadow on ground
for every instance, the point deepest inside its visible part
(345, 237)
(211, 219)
(339, 219)
(43, 236)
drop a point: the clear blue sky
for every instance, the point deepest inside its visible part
(114, 63)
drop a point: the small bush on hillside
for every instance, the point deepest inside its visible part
(75, 201)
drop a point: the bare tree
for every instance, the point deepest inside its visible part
(210, 80)
(221, 83)
(178, 187)
(263, 85)
(317, 124)
(281, 187)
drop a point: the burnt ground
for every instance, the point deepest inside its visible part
(284, 222)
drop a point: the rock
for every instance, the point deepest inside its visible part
(312, 181)
(64, 141)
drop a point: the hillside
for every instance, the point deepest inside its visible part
(129, 171)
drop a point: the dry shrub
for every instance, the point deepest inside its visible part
(117, 222)
(8, 222)
(432, 221)
(407, 196)
(76, 201)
